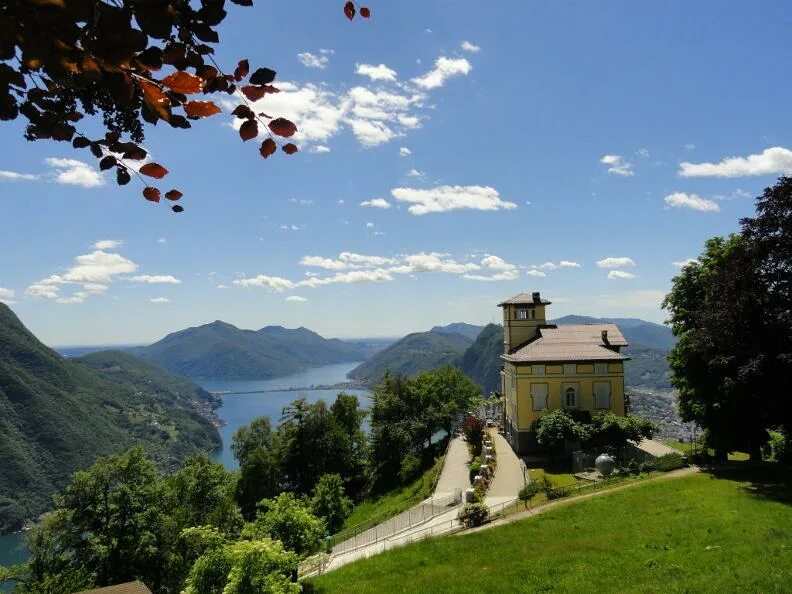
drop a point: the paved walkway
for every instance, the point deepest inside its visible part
(508, 478)
(455, 475)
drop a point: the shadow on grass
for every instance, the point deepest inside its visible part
(768, 480)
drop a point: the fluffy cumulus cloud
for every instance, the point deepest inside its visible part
(497, 269)
(415, 173)
(108, 244)
(14, 176)
(93, 272)
(7, 296)
(469, 47)
(561, 264)
(445, 198)
(380, 72)
(770, 161)
(683, 263)
(152, 279)
(75, 173)
(691, 201)
(444, 69)
(617, 165)
(296, 299)
(274, 283)
(535, 273)
(619, 275)
(319, 60)
(404, 152)
(376, 203)
(160, 300)
(615, 262)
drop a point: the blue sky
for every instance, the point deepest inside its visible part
(612, 137)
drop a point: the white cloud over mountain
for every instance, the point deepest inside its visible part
(770, 161)
(445, 198)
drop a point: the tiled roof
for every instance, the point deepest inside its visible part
(128, 588)
(570, 342)
(525, 298)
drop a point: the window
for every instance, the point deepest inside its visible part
(570, 397)
(602, 393)
(570, 369)
(538, 369)
(539, 396)
(601, 369)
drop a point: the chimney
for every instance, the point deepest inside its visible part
(605, 337)
(536, 297)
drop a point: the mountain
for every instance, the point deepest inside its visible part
(57, 416)
(368, 347)
(413, 354)
(462, 328)
(220, 350)
(481, 362)
(634, 330)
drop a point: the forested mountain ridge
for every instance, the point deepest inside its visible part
(57, 416)
(221, 350)
(469, 330)
(481, 361)
(416, 352)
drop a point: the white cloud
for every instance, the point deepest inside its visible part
(166, 279)
(615, 262)
(535, 272)
(415, 173)
(320, 148)
(162, 240)
(771, 160)
(642, 153)
(444, 69)
(738, 193)
(14, 176)
(160, 300)
(380, 72)
(683, 263)
(503, 271)
(296, 299)
(619, 274)
(75, 173)
(561, 264)
(301, 201)
(404, 152)
(692, 201)
(568, 264)
(274, 283)
(319, 61)
(445, 198)
(376, 203)
(320, 262)
(469, 47)
(690, 146)
(6, 295)
(291, 227)
(617, 165)
(350, 277)
(78, 297)
(108, 244)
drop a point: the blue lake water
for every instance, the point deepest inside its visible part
(240, 409)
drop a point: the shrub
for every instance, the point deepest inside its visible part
(557, 493)
(778, 447)
(474, 514)
(529, 491)
(473, 429)
(632, 466)
(475, 467)
(410, 468)
(669, 462)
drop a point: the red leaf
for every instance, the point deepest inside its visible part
(241, 70)
(268, 147)
(365, 12)
(177, 208)
(173, 195)
(183, 82)
(243, 112)
(248, 130)
(151, 193)
(254, 93)
(200, 109)
(282, 127)
(289, 149)
(262, 76)
(349, 10)
(154, 170)
(158, 102)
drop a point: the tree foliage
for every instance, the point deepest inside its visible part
(129, 63)
(731, 311)
(329, 501)
(288, 518)
(557, 427)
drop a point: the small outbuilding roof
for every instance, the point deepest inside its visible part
(127, 588)
(571, 342)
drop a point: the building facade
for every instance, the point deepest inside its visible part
(576, 367)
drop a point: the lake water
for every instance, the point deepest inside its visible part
(240, 409)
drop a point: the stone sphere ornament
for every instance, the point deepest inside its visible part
(605, 465)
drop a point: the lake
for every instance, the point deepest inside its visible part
(238, 410)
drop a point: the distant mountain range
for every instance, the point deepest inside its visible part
(221, 350)
(469, 330)
(57, 416)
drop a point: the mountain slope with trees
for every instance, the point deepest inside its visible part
(57, 416)
(481, 361)
(221, 350)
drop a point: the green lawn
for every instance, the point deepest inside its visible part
(385, 505)
(724, 532)
(687, 448)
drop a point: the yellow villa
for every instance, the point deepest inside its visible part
(577, 367)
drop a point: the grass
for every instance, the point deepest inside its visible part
(687, 448)
(558, 471)
(390, 503)
(727, 531)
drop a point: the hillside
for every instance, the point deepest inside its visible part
(462, 328)
(413, 354)
(220, 350)
(480, 362)
(57, 416)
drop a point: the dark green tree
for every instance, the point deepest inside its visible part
(287, 518)
(608, 429)
(329, 501)
(555, 428)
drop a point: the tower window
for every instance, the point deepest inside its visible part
(525, 314)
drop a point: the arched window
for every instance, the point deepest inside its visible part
(571, 398)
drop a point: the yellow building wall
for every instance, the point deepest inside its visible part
(519, 402)
(516, 332)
